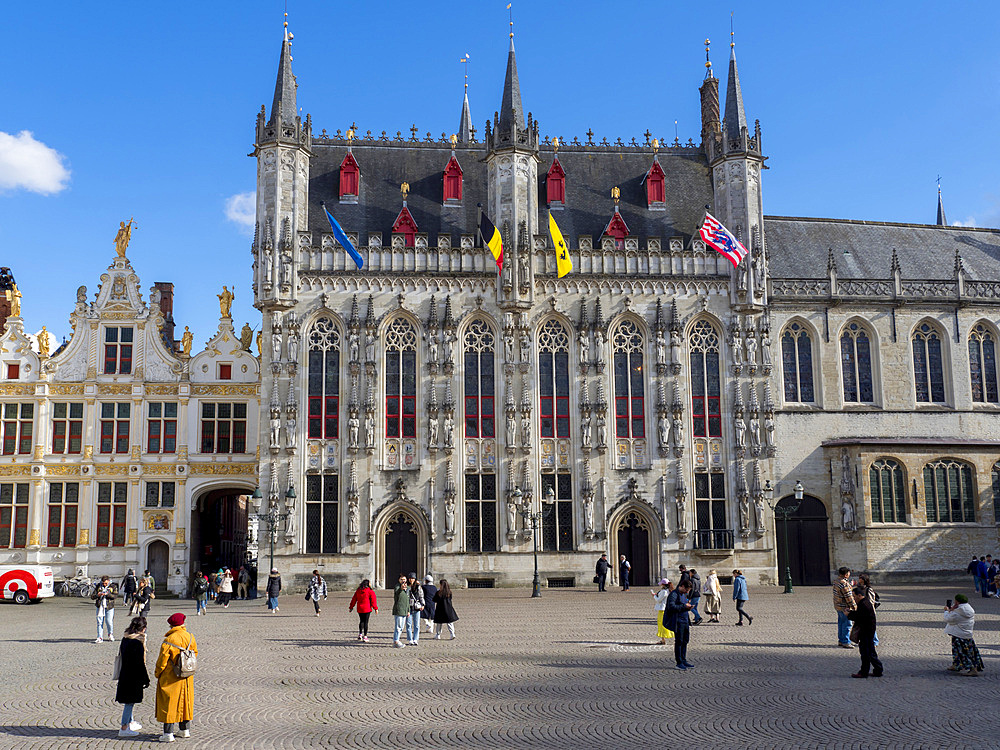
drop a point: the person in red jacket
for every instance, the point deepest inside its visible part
(364, 599)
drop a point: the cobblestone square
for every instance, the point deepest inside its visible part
(573, 669)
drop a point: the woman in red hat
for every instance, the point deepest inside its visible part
(174, 695)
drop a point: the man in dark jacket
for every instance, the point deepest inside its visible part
(130, 584)
(603, 566)
(429, 590)
(624, 569)
(973, 570)
(695, 596)
(982, 572)
(675, 618)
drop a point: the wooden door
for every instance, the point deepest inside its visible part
(400, 549)
(156, 563)
(807, 549)
(633, 542)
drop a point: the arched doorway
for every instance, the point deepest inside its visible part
(807, 552)
(157, 558)
(219, 529)
(401, 548)
(633, 542)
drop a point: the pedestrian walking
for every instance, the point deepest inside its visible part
(972, 569)
(960, 621)
(740, 596)
(129, 585)
(416, 607)
(992, 574)
(273, 590)
(317, 589)
(104, 599)
(843, 602)
(712, 591)
(676, 619)
(624, 568)
(685, 574)
(174, 692)
(659, 606)
(149, 579)
(242, 583)
(695, 580)
(444, 612)
(130, 671)
(199, 590)
(226, 588)
(400, 610)
(142, 602)
(429, 590)
(601, 577)
(982, 573)
(863, 616)
(365, 600)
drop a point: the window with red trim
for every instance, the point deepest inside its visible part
(18, 421)
(115, 427)
(453, 182)
(223, 428)
(117, 350)
(555, 183)
(618, 229)
(67, 428)
(400, 380)
(13, 372)
(13, 515)
(406, 226)
(627, 344)
(225, 372)
(64, 498)
(324, 380)
(706, 388)
(350, 176)
(480, 418)
(655, 189)
(161, 428)
(553, 380)
(112, 505)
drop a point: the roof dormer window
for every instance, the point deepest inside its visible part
(350, 179)
(555, 185)
(655, 187)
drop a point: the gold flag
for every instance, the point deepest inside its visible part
(564, 264)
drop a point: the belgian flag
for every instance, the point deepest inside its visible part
(492, 239)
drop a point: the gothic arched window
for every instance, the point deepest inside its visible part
(796, 364)
(553, 380)
(324, 379)
(706, 404)
(856, 364)
(627, 345)
(888, 492)
(983, 365)
(949, 496)
(928, 364)
(400, 380)
(479, 383)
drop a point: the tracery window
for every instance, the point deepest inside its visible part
(706, 403)
(627, 345)
(557, 518)
(479, 381)
(949, 496)
(480, 513)
(983, 365)
(888, 492)
(796, 364)
(324, 379)
(856, 364)
(553, 380)
(713, 530)
(400, 380)
(928, 365)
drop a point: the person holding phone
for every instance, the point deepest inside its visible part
(960, 621)
(400, 610)
(677, 619)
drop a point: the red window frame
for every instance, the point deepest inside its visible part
(13, 372)
(453, 181)
(115, 422)
(555, 183)
(118, 350)
(112, 511)
(67, 429)
(18, 428)
(655, 185)
(553, 399)
(63, 514)
(630, 411)
(350, 176)
(225, 372)
(161, 428)
(324, 394)
(14, 515)
(223, 427)
(401, 394)
(480, 397)
(706, 404)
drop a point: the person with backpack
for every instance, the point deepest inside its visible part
(149, 579)
(676, 620)
(400, 610)
(142, 601)
(130, 672)
(175, 680)
(365, 600)
(199, 589)
(129, 585)
(104, 598)
(273, 590)
(416, 608)
(317, 588)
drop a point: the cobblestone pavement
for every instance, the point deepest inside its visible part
(573, 669)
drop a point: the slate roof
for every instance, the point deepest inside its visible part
(798, 249)
(591, 172)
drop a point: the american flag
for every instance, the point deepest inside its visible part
(722, 240)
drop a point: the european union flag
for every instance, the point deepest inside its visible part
(341, 237)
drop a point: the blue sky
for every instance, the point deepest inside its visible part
(147, 110)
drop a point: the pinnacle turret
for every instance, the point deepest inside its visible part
(735, 119)
(511, 113)
(941, 220)
(283, 108)
(465, 123)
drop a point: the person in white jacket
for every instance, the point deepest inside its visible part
(660, 599)
(960, 620)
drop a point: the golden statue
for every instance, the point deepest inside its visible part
(226, 301)
(13, 295)
(187, 338)
(260, 338)
(246, 337)
(555, 144)
(44, 342)
(405, 189)
(123, 237)
(616, 194)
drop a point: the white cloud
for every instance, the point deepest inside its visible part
(27, 164)
(970, 222)
(241, 209)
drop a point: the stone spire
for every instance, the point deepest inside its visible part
(735, 118)
(283, 108)
(465, 122)
(511, 112)
(941, 220)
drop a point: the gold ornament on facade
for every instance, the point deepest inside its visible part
(44, 342)
(84, 537)
(35, 538)
(227, 469)
(123, 237)
(616, 194)
(555, 144)
(17, 389)
(656, 145)
(179, 537)
(187, 338)
(63, 470)
(13, 296)
(16, 470)
(133, 536)
(260, 340)
(88, 452)
(405, 189)
(157, 522)
(224, 390)
(226, 298)
(246, 337)
(66, 389)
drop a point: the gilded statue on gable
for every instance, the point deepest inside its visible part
(226, 298)
(123, 237)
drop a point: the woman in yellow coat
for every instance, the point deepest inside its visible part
(174, 695)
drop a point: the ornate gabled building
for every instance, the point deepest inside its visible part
(121, 449)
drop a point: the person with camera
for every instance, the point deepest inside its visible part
(960, 621)
(104, 598)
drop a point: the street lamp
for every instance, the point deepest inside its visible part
(784, 512)
(536, 519)
(271, 519)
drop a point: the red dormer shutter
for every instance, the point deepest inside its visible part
(406, 226)
(555, 183)
(655, 190)
(350, 177)
(453, 182)
(618, 229)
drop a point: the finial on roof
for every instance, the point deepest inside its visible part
(941, 220)
(511, 112)
(510, 15)
(555, 144)
(283, 105)
(708, 61)
(732, 31)
(404, 189)
(734, 119)
(616, 194)
(656, 145)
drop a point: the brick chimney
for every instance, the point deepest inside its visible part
(166, 290)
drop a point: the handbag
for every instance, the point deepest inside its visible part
(854, 636)
(597, 579)
(187, 661)
(308, 596)
(116, 672)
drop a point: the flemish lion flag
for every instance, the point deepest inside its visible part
(564, 264)
(492, 239)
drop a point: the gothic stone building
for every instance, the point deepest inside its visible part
(121, 450)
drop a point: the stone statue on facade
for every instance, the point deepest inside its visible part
(678, 428)
(525, 341)
(449, 514)
(353, 518)
(226, 298)
(354, 346)
(246, 337)
(275, 344)
(675, 347)
(275, 424)
(44, 342)
(450, 339)
(353, 426)
(848, 516)
(588, 513)
(433, 346)
(370, 347)
(663, 430)
(508, 346)
(847, 523)
(286, 268)
(268, 267)
(369, 430)
(290, 422)
(511, 429)
(602, 430)
(751, 348)
(585, 430)
(661, 349)
(293, 343)
(744, 513)
(525, 429)
(523, 274)
(584, 347)
(511, 517)
(754, 428)
(758, 503)
(769, 431)
(739, 428)
(765, 347)
(736, 346)
(432, 430)
(449, 431)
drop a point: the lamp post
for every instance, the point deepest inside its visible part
(784, 512)
(536, 519)
(271, 519)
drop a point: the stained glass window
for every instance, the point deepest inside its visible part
(557, 518)
(856, 364)
(888, 492)
(324, 379)
(553, 380)
(983, 365)
(949, 496)
(796, 364)
(706, 402)
(400, 380)
(480, 419)
(627, 344)
(928, 365)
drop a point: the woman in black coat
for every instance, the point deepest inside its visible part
(131, 674)
(444, 613)
(864, 621)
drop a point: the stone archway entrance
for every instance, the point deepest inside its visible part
(633, 541)
(808, 551)
(219, 529)
(400, 544)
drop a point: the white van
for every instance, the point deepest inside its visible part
(26, 583)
